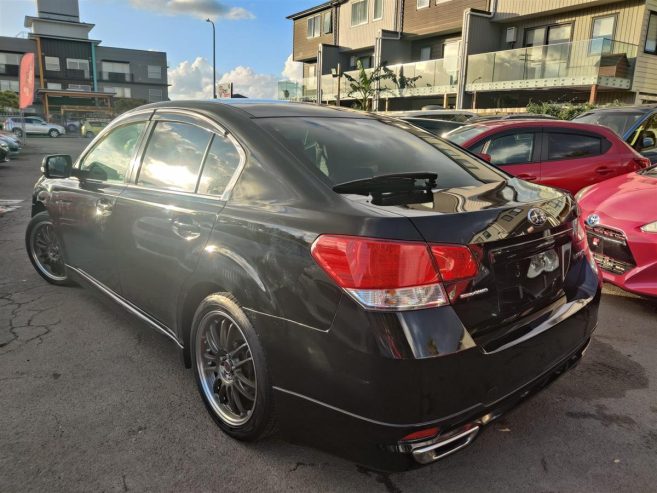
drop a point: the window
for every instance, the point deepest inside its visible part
(359, 13)
(79, 87)
(115, 71)
(378, 10)
(314, 26)
(619, 121)
(569, 146)
(425, 53)
(328, 22)
(9, 63)
(173, 158)
(52, 63)
(110, 159)
(365, 60)
(8, 85)
(121, 92)
(77, 64)
(510, 149)
(54, 85)
(154, 95)
(602, 35)
(220, 165)
(651, 36)
(154, 72)
(422, 4)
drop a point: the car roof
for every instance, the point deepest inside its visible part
(429, 112)
(499, 125)
(643, 108)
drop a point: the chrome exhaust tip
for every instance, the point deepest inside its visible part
(443, 447)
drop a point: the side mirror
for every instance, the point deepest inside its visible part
(57, 166)
(485, 157)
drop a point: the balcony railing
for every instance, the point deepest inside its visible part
(116, 76)
(67, 74)
(602, 62)
(309, 88)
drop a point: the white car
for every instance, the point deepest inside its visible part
(33, 125)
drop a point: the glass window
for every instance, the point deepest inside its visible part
(359, 13)
(77, 64)
(347, 149)
(422, 4)
(465, 133)
(117, 67)
(52, 63)
(110, 159)
(425, 53)
(378, 9)
(328, 22)
(314, 26)
(510, 149)
(8, 85)
(154, 72)
(569, 146)
(79, 87)
(154, 95)
(602, 34)
(121, 92)
(619, 121)
(535, 36)
(173, 157)
(220, 165)
(651, 36)
(54, 85)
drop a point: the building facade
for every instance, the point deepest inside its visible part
(74, 73)
(482, 53)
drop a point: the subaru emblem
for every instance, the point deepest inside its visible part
(537, 217)
(593, 220)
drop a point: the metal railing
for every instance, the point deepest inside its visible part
(116, 76)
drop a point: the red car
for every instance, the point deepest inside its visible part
(559, 154)
(621, 223)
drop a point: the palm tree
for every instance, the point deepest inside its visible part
(364, 86)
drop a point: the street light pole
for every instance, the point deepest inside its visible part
(214, 61)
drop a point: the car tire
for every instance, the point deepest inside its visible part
(53, 133)
(71, 128)
(45, 251)
(89, 135)
(230, 369)
(18, 132)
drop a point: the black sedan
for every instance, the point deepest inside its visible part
(349, 280)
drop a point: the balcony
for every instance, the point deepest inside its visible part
(309, 89)
(67, 74)
(602, 62)
(427, 78)
(116, 76)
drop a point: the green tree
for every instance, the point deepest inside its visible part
(121, 105)
(363, 87)
(400, 81)
(564, 111)
(8, 99)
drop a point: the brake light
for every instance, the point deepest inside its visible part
(421, 435)
(642, 162)
(392, 275)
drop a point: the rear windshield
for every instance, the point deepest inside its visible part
(619, 122)
(464, 134)
(347, 149)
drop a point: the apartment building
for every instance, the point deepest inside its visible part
(74, 73)
(482, 53)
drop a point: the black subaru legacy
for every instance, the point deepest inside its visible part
(349, 280)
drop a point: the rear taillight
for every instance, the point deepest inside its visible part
(642, 162)
(392, 275)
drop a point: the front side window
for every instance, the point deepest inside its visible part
(378, 9)
(220, 165)
(510, 149)
(110, 159)
(602, 34)
(570, 146)
(359, 13)
(173, 157)
(651, 36)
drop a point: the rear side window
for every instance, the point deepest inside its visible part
(173, 157)
(347, 149)
(511, 149)
(571, 146)
(220, 165)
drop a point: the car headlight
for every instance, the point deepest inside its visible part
(582, 192)
(4, 146)
(649, 228)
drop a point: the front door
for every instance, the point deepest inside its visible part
(84, 207)
(169, 210)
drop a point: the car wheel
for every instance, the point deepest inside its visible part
(18, 132)
(45, 251)
(230, 369)
(89, 135)
(53, 133)
(71, 128)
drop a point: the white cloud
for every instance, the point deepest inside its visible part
(202, 9)
(191, 80)
(251, 84)
(293, 70)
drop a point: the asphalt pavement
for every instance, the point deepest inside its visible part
(93, 400)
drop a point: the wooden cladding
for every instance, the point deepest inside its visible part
(305, 48)
(441, 17)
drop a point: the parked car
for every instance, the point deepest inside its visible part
(91, 128)
(448, 115)
(436, 127)
(559, 154)
(374, 290)
(621, 224)
(33, 125)
(637, 125)
(513, 116)
(13, 144)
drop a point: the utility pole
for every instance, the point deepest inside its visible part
(214, 61)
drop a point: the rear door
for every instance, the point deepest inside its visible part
(573, 160)
(170, 207)
(517, 152)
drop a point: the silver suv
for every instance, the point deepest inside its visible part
(33, 125)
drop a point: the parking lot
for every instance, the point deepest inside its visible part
(94, 400)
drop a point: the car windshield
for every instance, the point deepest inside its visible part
(341, 150)
(619, 121)
(463, 134)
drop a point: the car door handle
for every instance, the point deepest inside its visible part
(186, 229)
(104, 207)
(603, 170)
(527, 177)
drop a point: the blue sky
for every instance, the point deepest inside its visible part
(259, 38)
